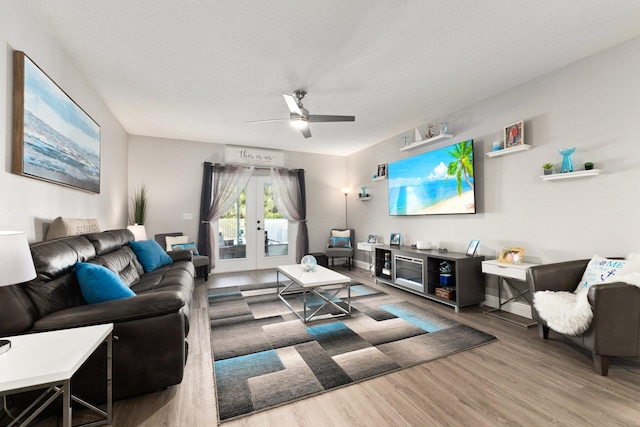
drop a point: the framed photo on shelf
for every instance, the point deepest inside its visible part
(372, 238)
(382, 170)
(511, 255)
(473, 247)
(514, 134)
(395, 239)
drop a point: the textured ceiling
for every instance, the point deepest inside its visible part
(198, 69)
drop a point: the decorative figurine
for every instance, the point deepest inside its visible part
(430, 133)
(567, 165)
(444, 128)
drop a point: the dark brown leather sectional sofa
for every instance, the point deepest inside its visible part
(150, 329)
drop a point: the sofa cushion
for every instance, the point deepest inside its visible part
(150, 254)
(99, 284)
(124, 263)
(110, 240)
(64, 227)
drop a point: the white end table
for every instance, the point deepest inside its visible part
(507, 272)
(371, 248)
(307, 282)
(50, 359)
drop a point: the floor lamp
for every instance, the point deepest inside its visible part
(16, 265)
(345, 190)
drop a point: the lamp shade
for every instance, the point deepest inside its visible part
(16, 263)
(139, 232)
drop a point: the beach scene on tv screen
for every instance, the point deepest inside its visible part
(432, 183)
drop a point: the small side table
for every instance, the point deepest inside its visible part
(371, 248)
(507, 272)
(50, 359)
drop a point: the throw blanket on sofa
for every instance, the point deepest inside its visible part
(569, 313)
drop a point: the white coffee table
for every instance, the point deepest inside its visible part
(311, 282)
(50, 359)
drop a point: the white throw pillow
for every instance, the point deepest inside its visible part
(176, 240)
(338, 233)
(601, 269)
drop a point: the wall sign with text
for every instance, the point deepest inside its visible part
(253, 156)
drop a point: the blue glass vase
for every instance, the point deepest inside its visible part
(567, 166)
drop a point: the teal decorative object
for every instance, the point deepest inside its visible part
(567, 166)
(308, 263)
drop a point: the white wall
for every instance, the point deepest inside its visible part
(26, 203)
(172, 172)
(593, 105)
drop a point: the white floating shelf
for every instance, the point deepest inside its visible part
(510, 150)
(427, 141)
(364, 198)
(379, 178)
(570, 175)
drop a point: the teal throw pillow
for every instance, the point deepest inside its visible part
(99, 284)
(191, 246)
(340, 242)
(150, 254)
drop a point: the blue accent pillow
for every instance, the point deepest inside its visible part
(99, 284)
(191, 246)
(150, 254)
(340, 242)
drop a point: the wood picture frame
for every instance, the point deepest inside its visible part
(511, 255)
(54, 140)
(514, 134)
(394, 240)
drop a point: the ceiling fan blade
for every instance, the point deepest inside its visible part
(268, 120)
(292, 104)
(306, 132)
(326, 118)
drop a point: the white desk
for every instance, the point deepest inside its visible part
(50, 359)
(307, 282)
(371, 248)
(508, 272)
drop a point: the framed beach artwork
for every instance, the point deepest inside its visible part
(54, 140)
(514, 134)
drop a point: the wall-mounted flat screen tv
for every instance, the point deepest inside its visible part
(437, 182)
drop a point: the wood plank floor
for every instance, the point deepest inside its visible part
(518, 380)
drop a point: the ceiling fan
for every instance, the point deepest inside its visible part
(300, 117)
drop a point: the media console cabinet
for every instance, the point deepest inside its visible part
(451, 278)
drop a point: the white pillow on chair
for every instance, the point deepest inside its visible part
(338, 233)
(175, 240)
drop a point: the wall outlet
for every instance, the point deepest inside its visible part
(187, 216)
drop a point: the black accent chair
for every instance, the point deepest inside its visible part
(200, 262)
(334, 251)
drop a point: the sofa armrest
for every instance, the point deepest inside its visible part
(559, 276)
(138, 307)
(615, 328)
(181, 255)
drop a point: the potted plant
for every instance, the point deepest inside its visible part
(588, 166)
(548, 168)
(139, 201)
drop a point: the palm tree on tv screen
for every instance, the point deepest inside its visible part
(462, 166)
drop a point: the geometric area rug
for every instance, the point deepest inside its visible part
(264, 356)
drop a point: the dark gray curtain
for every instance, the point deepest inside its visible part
(291, 201)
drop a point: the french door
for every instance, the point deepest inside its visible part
(253, 235)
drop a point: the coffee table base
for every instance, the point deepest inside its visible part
(295, 288)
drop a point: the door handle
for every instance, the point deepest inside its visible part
(259, 228)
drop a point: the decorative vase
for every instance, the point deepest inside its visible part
(363, 190)
(308, 263)
(567, 166)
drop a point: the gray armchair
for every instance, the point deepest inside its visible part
(340, 251)
(615, 328)
(200, 262)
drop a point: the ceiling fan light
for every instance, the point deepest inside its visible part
(299, 122)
